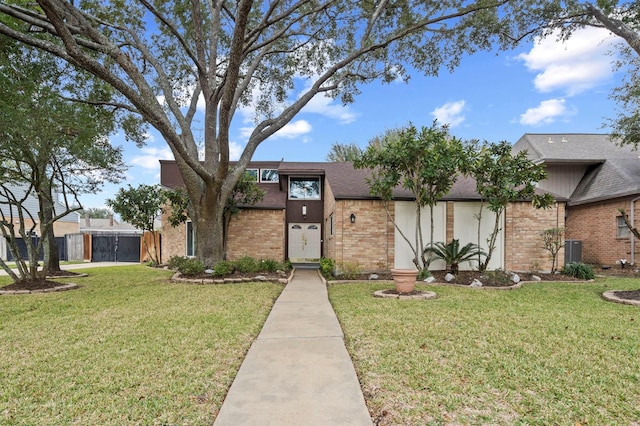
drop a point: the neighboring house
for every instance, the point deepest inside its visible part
(68, 224)
(598, 178)
(107, 226)
(313, 210)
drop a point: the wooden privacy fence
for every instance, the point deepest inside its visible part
(102, 247)
(148, 238)
(75, 246)
(109, 247)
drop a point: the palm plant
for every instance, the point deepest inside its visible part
(453, 254)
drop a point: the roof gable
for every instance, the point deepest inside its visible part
(571, 148)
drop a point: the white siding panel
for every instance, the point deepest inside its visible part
(31, 205)
(465, 229)
(405, 217)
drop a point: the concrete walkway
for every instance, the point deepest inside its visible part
(298, 371)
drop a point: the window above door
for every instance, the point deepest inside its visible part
(304, 188)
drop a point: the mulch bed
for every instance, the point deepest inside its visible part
(39, 284)
(628, 295)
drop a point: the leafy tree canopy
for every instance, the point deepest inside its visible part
(166, 59)
(425, 161)
(51, 147)
(502, 178)
(341, 153)
(95, 212)
(622, 19)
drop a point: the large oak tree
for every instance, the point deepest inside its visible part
(163, 57)
(51, 149)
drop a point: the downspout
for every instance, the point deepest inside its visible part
(633, 224)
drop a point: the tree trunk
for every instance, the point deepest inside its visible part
(51, 255)
(419, 252)
(208, 225)
(492, 242)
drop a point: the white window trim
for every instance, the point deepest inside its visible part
(269, 181)
(621, 228)
(186, 239)
(307, 178)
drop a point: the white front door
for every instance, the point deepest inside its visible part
(304, 242)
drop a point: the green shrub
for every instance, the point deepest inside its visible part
(191, 266)
(350, 270)
(175, 262)
(327, 266)
(422, 275)
(222, 268)
(453, 254)
(269, 265)
(246, 264)
(579, 270)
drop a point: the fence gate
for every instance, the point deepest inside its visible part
(22, 247)
(115, 248)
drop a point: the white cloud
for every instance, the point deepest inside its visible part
(235, 150)
(450, 113)
(574, 66)
(295, 129)
(149, 158)
(325, 105)
(547, 112)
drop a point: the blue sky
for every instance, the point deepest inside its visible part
(542, 87)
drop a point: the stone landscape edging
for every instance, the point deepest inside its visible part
(610, 296)
(177, 277)
(63, 287)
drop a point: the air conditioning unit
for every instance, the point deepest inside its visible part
(572, 251)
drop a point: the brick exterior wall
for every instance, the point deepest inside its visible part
(368, 242)
(257, 233)
(596, 226)
(252, 232)
(330, 219)
(523, 243)
(174, 241)
(450, 207)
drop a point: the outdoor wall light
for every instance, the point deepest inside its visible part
(353, 218)
(304, 210)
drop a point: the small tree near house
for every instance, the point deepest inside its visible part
(503, 178)
(553, 241)
(425, 162)
(140, 206)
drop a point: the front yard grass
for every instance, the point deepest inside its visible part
(548, 353)
(127, 348)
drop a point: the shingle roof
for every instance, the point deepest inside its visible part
(571, 147)
(346, 182)
(614, 170)
(614, 178)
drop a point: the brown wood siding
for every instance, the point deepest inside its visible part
(562, 180)
(314, 211)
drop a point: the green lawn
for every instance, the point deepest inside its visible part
(127, 348)
(548, 353)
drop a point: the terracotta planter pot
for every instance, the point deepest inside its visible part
(405, 279)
